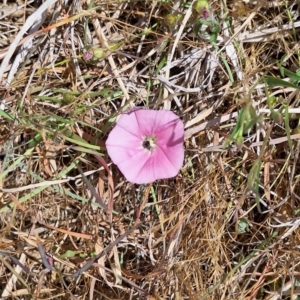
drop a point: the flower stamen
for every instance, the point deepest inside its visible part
(149, 143)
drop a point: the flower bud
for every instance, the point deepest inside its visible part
(296, 130)
(239, 142)
(68, 98)
(202, 8)
(93, 53)
(272, 101)
(170, 20)
(293, 116)
(201, 5)
(276, 116)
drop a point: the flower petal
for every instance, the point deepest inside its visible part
(148, 167)
(150, 121)
(129, 123)
(171, 134)
(122, 145)
(137, 170)
(172, 159)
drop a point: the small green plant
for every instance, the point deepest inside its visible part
(206, 25)
(247, 118)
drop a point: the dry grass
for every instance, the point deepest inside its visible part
(72, 227)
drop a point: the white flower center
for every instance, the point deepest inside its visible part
(149, 143)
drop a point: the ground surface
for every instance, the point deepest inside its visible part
(226, 227)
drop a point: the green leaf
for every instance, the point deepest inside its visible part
(273, 81)
(85, 150)
(287, 128)
(68, 253)
(292, 75)
(161, 64)
(6, 115)
(197, 27)
(75, 139)
(253, 180)
(213, 37)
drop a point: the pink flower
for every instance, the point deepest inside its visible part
(147, 145)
